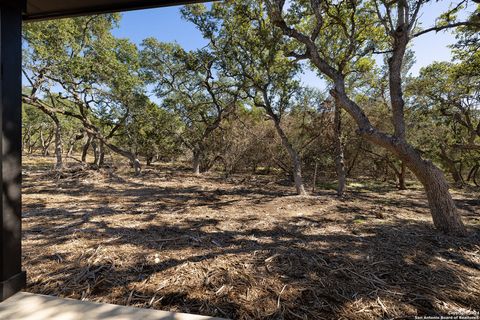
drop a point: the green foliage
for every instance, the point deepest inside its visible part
(467, 48)
(250, 51)
(216, 101)
(446, 98)
(194, 87)
(151, 132)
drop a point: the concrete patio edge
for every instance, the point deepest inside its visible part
(28, 306)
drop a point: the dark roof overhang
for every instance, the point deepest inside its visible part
(48, 9)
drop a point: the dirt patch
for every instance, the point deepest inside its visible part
(244, 248)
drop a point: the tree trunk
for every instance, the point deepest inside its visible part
(149, 160)
(386, 173)
(137, 166)
(99, 153)
(33, 145)
(399, 173)
(30, 146)
(339, 157)
(297, 165)
(72, 143)
(58, 145)
(314, 187)
(85, 148)
(127, 154)
(354, 161)
(472, 175)
(401, 176)
(95, 152)
(450, 165)
(30, 143)
(442, 207)
(101, 160)
(196, 161)
(26, 139)
(44, 144)
(443, 210)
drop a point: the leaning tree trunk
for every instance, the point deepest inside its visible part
(339, 157)
(473, 174)
(127, 154)
(442, 207)
(444, 212)
(297, 165)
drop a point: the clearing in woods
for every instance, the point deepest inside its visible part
(243, 248)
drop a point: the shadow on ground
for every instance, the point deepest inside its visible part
(245, 252)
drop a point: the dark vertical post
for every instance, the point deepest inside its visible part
(12, 279)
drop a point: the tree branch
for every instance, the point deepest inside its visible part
(447, 26)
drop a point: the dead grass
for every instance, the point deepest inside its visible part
(243, 248)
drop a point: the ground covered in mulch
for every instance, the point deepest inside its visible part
(244, 248)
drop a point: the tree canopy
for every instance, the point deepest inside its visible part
(239, 104)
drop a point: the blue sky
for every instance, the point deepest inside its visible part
(166, 24)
